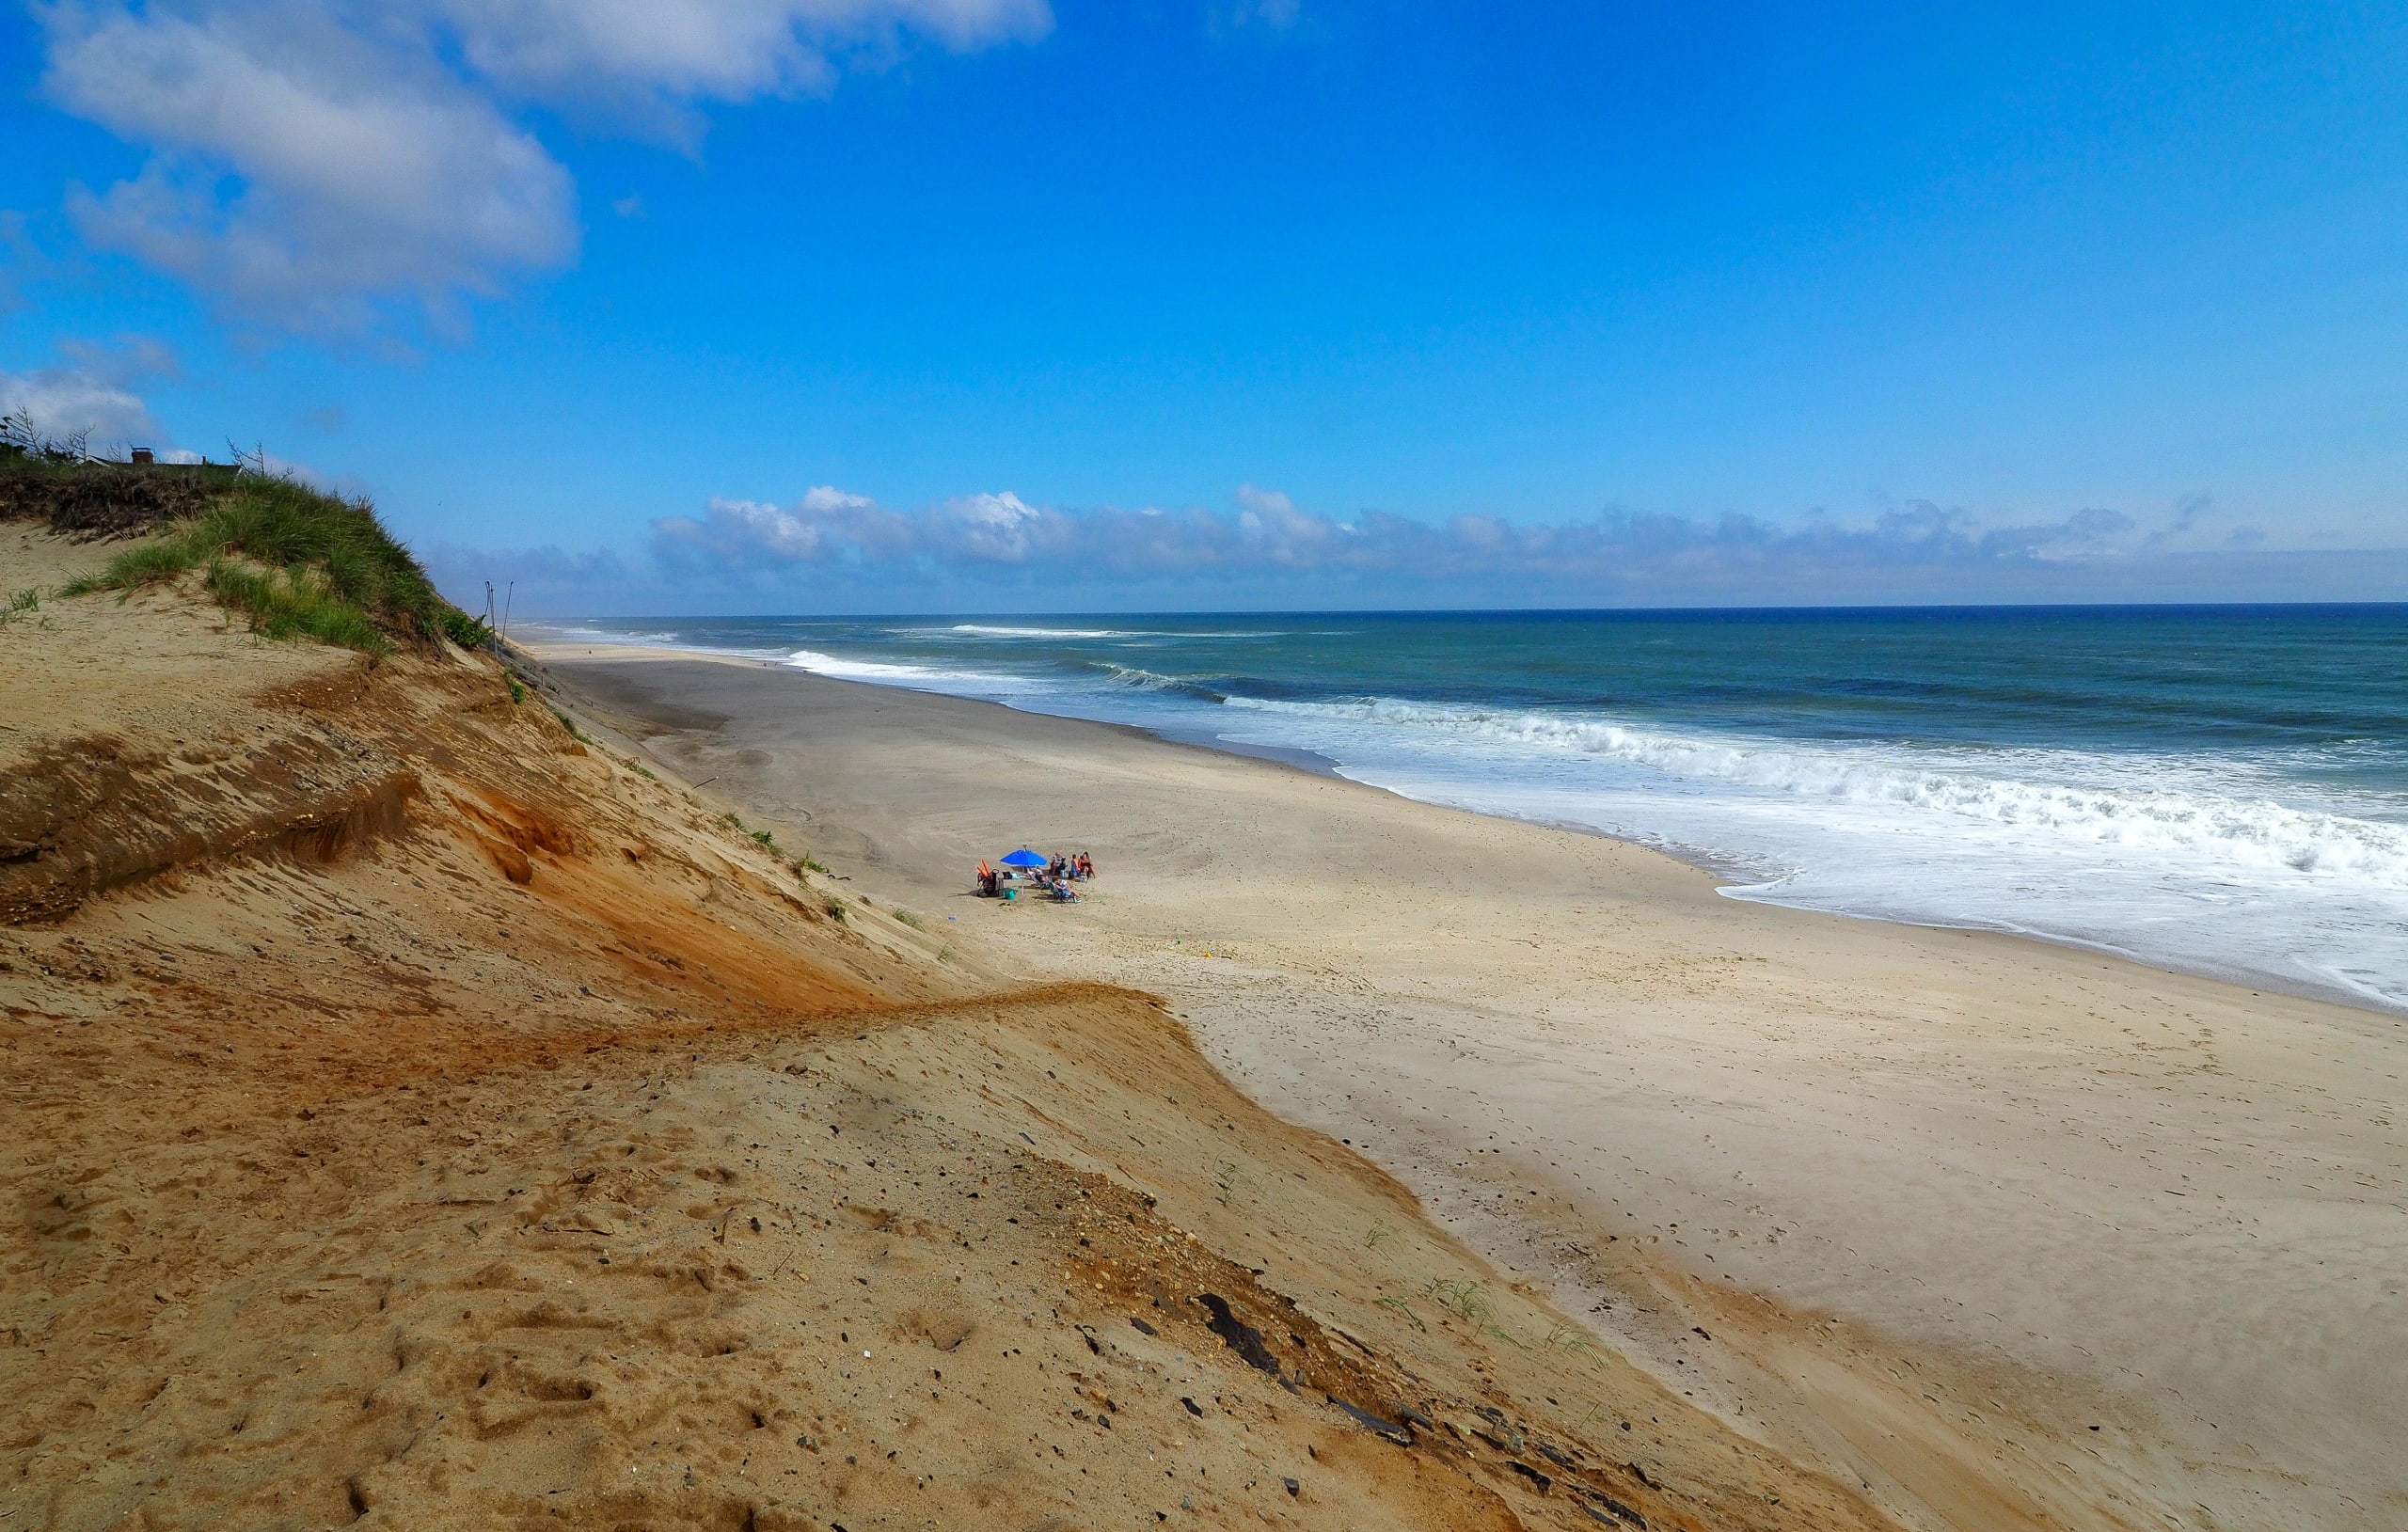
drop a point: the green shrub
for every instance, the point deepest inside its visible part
(911, 920)
(517, 692)
(466, 631)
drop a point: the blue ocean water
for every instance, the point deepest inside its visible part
(2220, 789)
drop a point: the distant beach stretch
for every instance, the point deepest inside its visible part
(2223, 791)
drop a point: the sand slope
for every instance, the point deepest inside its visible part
(424, 1117)
(2010, 1235)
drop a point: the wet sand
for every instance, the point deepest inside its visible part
(2008, 1234)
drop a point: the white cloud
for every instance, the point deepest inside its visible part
(311, 162)
(735, 533)
(1266, 538)
(60, 402)
(95, 388)
(303, 169)
(653, 57)
(830, 525)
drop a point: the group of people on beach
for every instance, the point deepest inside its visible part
(1054, 878)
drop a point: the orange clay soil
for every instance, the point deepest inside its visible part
(420, 1117)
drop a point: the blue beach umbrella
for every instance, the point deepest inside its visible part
(1023, 858)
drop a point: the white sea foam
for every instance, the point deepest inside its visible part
(620, 636)
(924, 677)
(986, 630)
(993, 630)
(2248, 835)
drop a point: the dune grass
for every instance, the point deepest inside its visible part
(285, 602)
(298, 562)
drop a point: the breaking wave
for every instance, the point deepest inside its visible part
(1132, 679)
(927, 677)
(992, 631)
(2244, 834)
(1000, 630)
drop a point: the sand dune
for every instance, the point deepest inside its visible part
(2007, 1235)
(422, 1115)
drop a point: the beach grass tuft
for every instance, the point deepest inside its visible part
(283, 603)
(1571, 1339)
(1230, 1181)
(1467, 1300)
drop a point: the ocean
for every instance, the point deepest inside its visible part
(2216, 789)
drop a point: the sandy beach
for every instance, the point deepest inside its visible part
(427, 1112)
(2007, 1235)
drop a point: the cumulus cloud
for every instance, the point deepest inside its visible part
(301, 169)
(94, 389)
(60, 402)
(655, 59)
(310, 162)
(1266, 537)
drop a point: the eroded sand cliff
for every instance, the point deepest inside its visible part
(420, 1116)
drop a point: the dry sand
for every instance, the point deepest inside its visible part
(2008, 1235)
(421, 1117)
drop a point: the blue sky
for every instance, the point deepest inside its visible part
(853, 305)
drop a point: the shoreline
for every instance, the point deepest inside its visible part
(1726, 869)
(1948, 1245)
